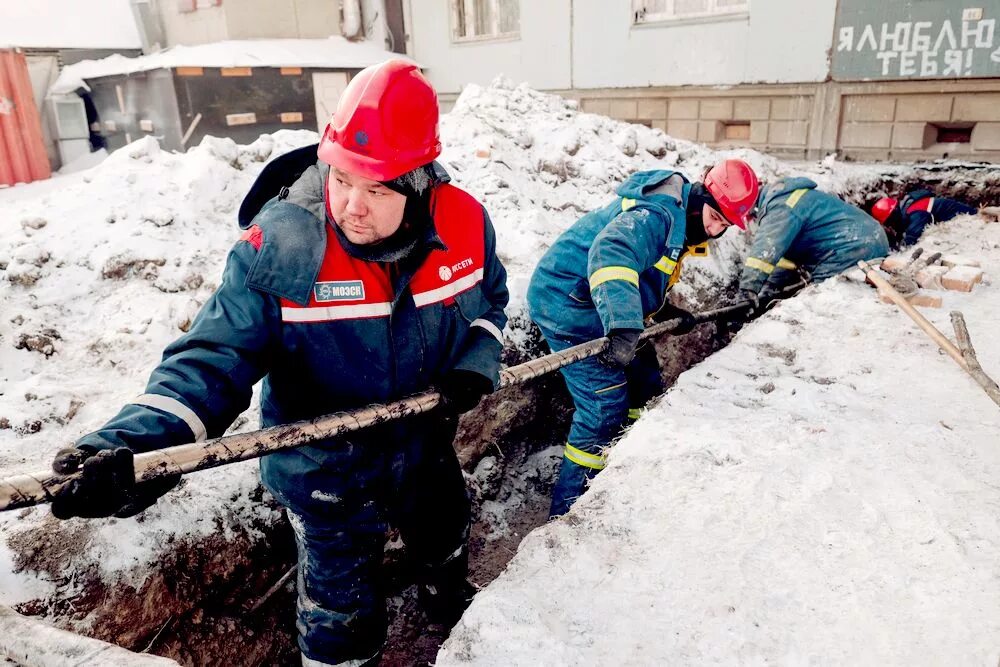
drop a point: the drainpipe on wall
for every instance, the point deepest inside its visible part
(352, 25)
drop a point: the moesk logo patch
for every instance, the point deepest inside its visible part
(339, 290)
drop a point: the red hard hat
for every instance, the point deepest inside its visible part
(734, 186)
(385, 125)
(883, 208)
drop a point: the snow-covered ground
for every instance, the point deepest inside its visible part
(825, 490)
(102, 268)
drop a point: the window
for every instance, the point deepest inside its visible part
(485, 19)
(649, 11)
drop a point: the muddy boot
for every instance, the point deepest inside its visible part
(446, 593)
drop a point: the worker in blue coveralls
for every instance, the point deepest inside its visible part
(802, 231)
(362, 277)
(904, 219)
(604, 276)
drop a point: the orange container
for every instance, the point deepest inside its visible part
(22, 149)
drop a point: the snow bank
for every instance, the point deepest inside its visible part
(822, 491)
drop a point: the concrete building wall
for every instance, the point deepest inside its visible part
(272, 19)
(539, 55)
(610, 50)
(205, 24)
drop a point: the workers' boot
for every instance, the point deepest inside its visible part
(446, 593)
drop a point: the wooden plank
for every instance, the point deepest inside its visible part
(237, 71)
(291, 71)
(189, 71)
(241, 118)
(291, 117)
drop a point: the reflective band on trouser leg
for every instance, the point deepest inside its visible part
(634, 413)
(580, 457)
(760, 265)
(601, 276)
(174, 407)
(360, 662)
(489, 327)
(787, 264)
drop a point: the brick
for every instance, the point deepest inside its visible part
(602, 107)
(709, 130)
(652, 109)
(984, 107)
(624, 109)
(930, 277)
(912, 135)
(758, 132)
(683, 109)
(986, 136)
(894, 263)
(716, 109)
(869, 107)
(752, 109)
(926, 108)
(959, 260)
(866, 135)
(683, 129)
(788, 132)
(919, 299)
(962, 278)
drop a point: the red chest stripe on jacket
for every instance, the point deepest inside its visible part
(254, 236)
(924, 204)
(350, 289)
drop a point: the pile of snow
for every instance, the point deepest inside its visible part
(101, 269)
(823, 490)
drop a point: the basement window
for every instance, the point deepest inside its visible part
(736, 131)
(654, 11)
(954, 134)
(480, 20)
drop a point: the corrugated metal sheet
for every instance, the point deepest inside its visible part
(22, 150)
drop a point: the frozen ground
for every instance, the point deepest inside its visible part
(102, 268)
(822, 491)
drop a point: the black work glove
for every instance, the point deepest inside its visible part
(759, 303)
(621, 348)
(461, 390)
(672, 312)
(106, 486)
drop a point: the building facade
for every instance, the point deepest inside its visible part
(903, 79)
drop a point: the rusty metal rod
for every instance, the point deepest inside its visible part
(35, 488)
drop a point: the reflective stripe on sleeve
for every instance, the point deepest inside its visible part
(795, 197)
(582, 458)
(601, 276)
(666, 265)
(490, 327)
(174, 407)
(627, 204)
(634, 413)
(786, 264)
(760, 265)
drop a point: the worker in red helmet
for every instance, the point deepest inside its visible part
(605, 276)
(905, 219)
(803, 231)
(361, 277)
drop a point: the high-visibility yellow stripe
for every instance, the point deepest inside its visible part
(666, 265)
(627, 203)
(634, 413)
(700, 250)
(795, 197)
(760, 265)
(786, 264)
(614, 386)
(580, 457)
(601, 276)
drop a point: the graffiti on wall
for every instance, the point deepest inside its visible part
(929, 40)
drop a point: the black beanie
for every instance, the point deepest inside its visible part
(698, 196)
(414, 183)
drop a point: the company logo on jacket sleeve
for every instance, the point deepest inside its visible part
(339, 290)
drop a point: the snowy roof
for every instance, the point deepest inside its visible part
(68, 24)
(332, 51)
